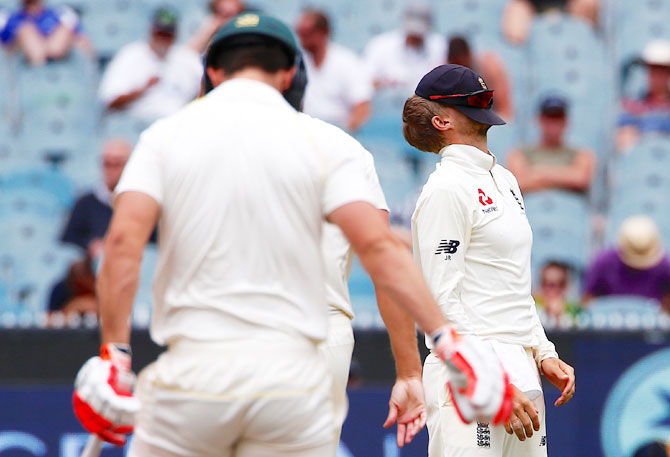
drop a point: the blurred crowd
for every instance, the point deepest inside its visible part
(153, 77)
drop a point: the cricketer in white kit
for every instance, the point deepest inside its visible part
(472, 240)
(240, 184)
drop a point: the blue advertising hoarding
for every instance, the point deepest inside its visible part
(622, 402)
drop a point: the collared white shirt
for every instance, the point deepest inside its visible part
(244, 183)
(135, 64)
(337, 86)
(394, 64)
(473, 241)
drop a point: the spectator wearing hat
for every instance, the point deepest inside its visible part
(552, 164)
(491, 68)
(637, 265)
(151, 79)
(651, 113)
(220, 12)
(398, 59)
(339, 89)
(43, 33)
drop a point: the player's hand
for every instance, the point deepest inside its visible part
(478, 384)
(103, 400)
(562, 376)
(524, 418)
(407, 406)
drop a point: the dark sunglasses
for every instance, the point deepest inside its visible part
(479, 99)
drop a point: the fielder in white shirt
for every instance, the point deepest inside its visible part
(472, 240)
(241, 183)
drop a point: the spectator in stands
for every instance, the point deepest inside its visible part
(43, 33)
(552, 297)
(638, 265)
(518, 15)
(220, 12)
(492, 69)
(652, 112)
(339, 89)
(86, 227)
(151, 79)
(398, 59)
(552, 164)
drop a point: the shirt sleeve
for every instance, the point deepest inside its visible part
(441, 230)
(545, 348)
(143, 172)
(373, 180)
(119, 77)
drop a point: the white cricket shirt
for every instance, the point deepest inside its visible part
(244, 183)
(472, 240)
(131, 68)
(339, 84)
(337, 252)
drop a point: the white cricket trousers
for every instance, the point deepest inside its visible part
(448, 436)
(337, 351)
(251, 399)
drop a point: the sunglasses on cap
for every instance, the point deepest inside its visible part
(479, 99)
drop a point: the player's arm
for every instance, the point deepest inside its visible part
(360, 113)
(407, 405)
(135, 216)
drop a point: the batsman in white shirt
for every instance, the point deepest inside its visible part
(240, 184)
(472, 240)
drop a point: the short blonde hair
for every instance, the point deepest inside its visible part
(417, 124)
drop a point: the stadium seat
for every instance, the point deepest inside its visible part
(567, 57)
(561, 228)
(144, 296)
(636, 23)
(114, 23)
(639, 183)
(473, 18)
(38, 182)
(362, 294)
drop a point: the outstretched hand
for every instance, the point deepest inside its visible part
(561, 375)
(407, 406)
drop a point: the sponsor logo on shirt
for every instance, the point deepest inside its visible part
(483, 435)
(517, 200)
(484, 199)
(447, 247)
(543, 440)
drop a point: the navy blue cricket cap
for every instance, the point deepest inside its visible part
(462, 88)
(553, 105)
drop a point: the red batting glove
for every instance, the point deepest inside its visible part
(478, 384)
(103, 399)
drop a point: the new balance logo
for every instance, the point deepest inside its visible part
(543, 440)
(447, 247)
(484, 199)
(483, 435)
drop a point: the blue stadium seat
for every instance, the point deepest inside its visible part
(568, 58)
(475, 19)
(37, 190)
(639, 184)
(114, 23)
(636, 23)
(561, 228)
(362, 294)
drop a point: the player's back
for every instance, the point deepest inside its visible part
(243, 198)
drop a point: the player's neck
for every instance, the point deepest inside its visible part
(271, 79)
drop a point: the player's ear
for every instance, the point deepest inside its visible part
(441, 122)
(287, 78)
(216, 75)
